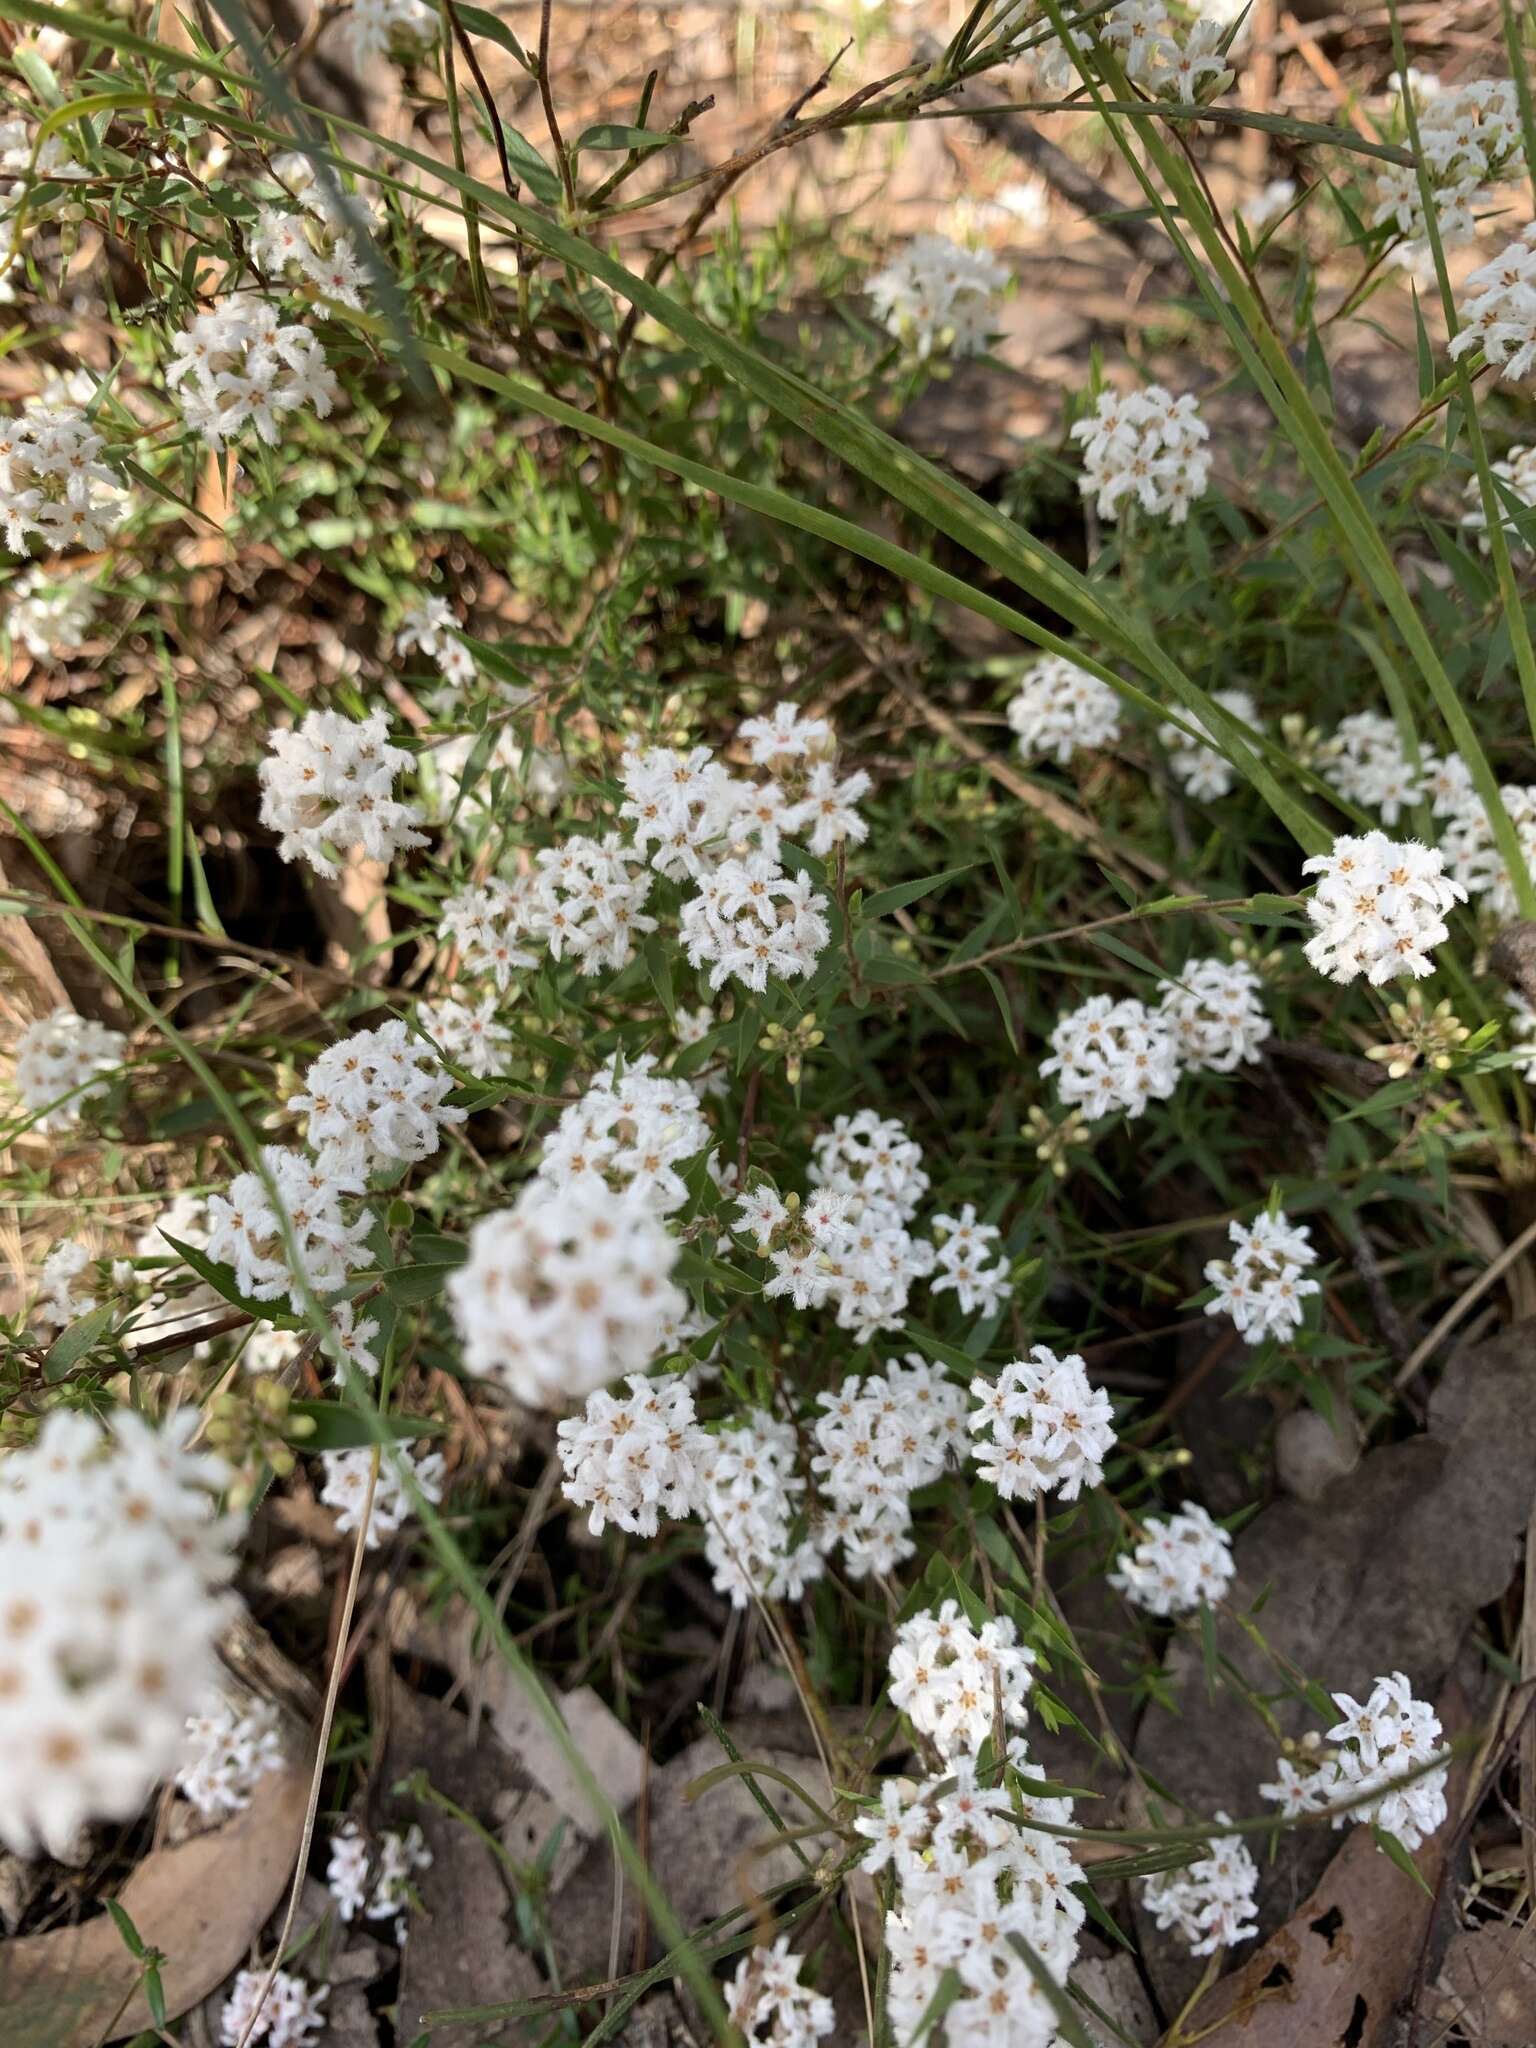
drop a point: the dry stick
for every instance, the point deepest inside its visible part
(1458, 1308)
(557, 140)
(322, 1743)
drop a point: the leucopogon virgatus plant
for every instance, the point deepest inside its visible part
(634, 1004)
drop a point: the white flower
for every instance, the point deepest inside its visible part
(290, 2016)
(245, 1230)
(1522, 1035)
(1177, 1564)
(228, 1750)
(1217, 1014)
(469, 1035)
(1210, 1903)
(1113, 1056)
(1367, 763)
(749, 1496)
(50, 615)
(1060, 707)
(1261, 1287)
(1267, 204)
(1472, 853)
(1147, 445)
(57, 1303)
(976, 1874)
(679, 804)
(586, 901)
(1044, 1428)
(308, 243)
(345, 1486)
(565, 1292)
(58, 1061)
(877, 1441)
(786, 738)
(635, 1460)
(1498, 315)
(54, 485)
(346, 1870)
(376, 1098)
(328, 784)
(827, 807)
(1199, 768)
(871, 1160)
(112, 1560)
(1469, 140)
(750, 920)
(433, 628)
(936, 295)
(238, 366)
(1379, 908)
(400, 30)
(486, 922)
(950, 1680)
(1390, 1761)
(960, 1263)
(631, 1132)
(1516, 474)
(769, 2004)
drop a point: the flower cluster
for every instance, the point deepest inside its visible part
(112, 1560)
(228, 1751)
(54, 486)
(345, 1488)
(1469, 140)
(400, 30)
(1379, 908)
(1367, 763)
(375, 1888)
(749, 1495)
(960, 1263)
(1514, 477)
(486, 921)
(1146, 445)
(1177, 1564)
(1498, 314)
(952, 1681)
(768, 2003)
(246, 1228)
(238, 366)
(468, 1034)
(634, 1460)
(1211, 1902)
(1060, 707)
(1042, 1427)
(57, 1303)
(328, 784)
(877, 1440)
(750, 920)
(585, 900)
(1262, 1286)
(432, 629)
(565, 1292)
(1200, 770)
(60, 1059)
(1111, 1055)
(310, 245)
(290, 2016)
(376, 1098)
(630, 1132)
(938, 296)
(1217, 1015)
(976, 1883)
(1387, 1770)
(51, 615)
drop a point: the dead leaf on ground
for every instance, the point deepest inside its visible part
(1383, 1572)
(201, 1903)
(1487, 1986)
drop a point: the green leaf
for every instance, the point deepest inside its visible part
(886, 900)
(476, 22)
(949, 1989)
(339, 1428)
(1390, 1846)
(133, 1941)
(72, 1344)
(1068, 2024)
(422, 1282)
(221, 1279)
(615, 135)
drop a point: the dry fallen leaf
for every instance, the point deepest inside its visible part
(200, 1903)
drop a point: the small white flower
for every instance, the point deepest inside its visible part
(1215, 1009)
(1210, 1903)
(237, 366)
(1043, 1427)
(1060, 707)
(1262, 1286)
(1113, 1056)
(59, 1059)
(1379, 908)
(328, 784)
(1146, 445)
(1200, 769)
(1177, 1564)
(938, 296)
